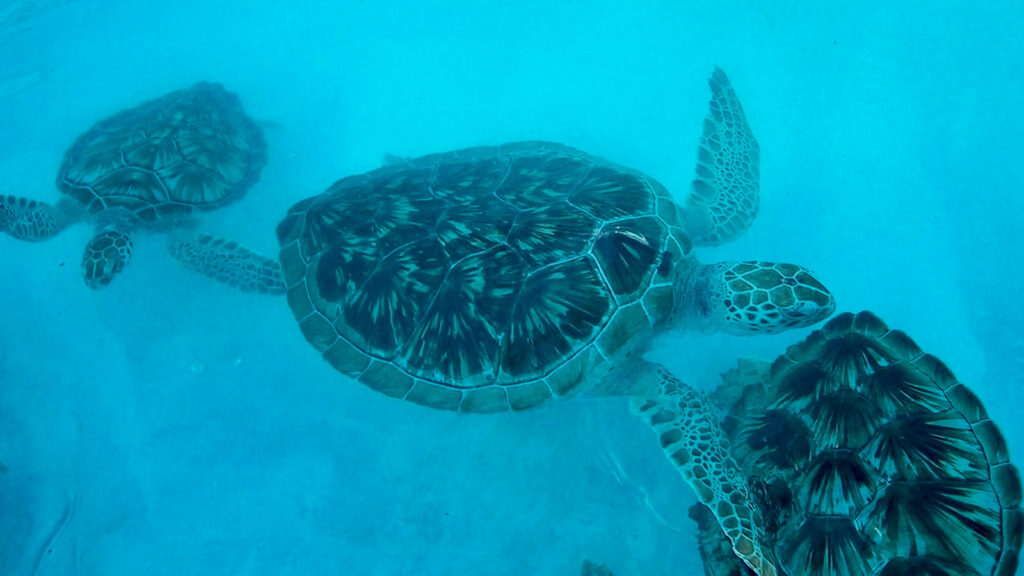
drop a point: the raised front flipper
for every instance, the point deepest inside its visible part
(105, 256)
(726, 191)
(690, 433)
(30, 220)
(228, 262)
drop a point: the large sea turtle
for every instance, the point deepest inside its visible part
(500, 278)
(157, 166)
(867, 456)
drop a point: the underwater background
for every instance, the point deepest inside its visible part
(170, 425)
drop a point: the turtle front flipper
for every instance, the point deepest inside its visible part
(31, 220)
(726, 191)
(105, 256)
(690, 433)
(228, 262)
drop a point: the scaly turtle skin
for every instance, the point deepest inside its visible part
(157, 166)
(501, 278)
(867, 456)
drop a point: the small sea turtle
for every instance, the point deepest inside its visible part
(157, 166)
(500, 278)
(867, 456)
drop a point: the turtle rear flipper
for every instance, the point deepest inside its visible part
(31, 220)
(726, 191)
(228, 262)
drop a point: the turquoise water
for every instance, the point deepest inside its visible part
(173, 426)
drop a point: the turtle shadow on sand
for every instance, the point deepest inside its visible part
(60, 514)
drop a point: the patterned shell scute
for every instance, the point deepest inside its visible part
(536, 181)
(627, 247)
(558, 308)
(189, 150)
(398, 306)
(477, 273)
(459, 336)
(608, 193)
(871, 458)
(547, 234)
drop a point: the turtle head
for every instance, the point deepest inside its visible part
(753, 298)
(105, 257)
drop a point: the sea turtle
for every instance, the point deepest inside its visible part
(157, 166)
(500, 278)
(867, 456)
